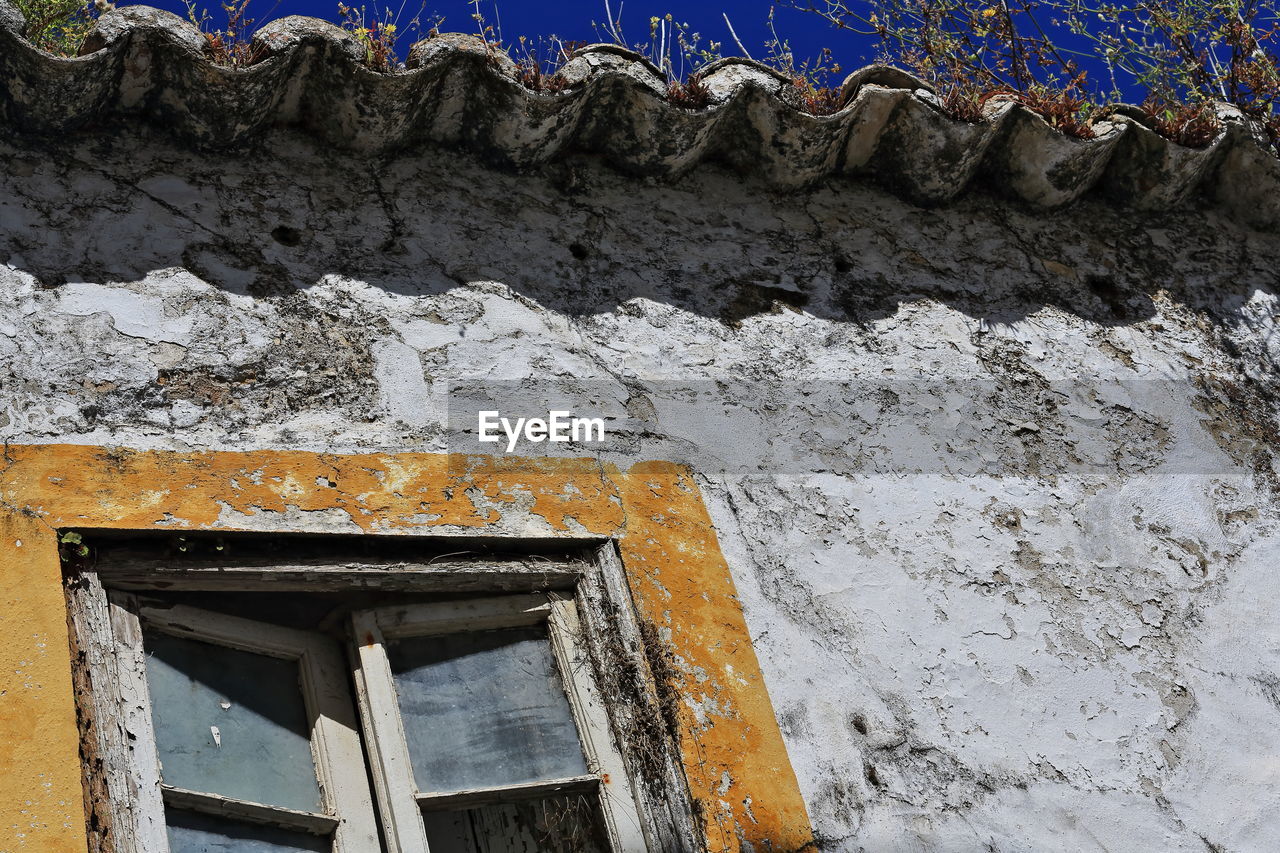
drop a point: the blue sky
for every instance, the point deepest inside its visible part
(572, 20)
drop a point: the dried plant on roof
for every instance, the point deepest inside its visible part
(1182, 55)
(815, 85)
(674, 48)
(380, 33)
(231, 45)
(974, 53)
(539, 60)
(60, 26)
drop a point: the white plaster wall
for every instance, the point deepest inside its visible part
(1009, 566)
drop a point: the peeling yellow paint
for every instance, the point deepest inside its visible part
(41, 804)
(734, 757)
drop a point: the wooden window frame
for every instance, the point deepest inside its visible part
(348, 816)
(606, 774)
(657, 816)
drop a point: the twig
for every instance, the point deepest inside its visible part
(736, 40)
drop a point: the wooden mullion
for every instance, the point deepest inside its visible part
(248, 811)
(388, 749)
(335, 746)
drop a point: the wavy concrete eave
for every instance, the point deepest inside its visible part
(144, 63)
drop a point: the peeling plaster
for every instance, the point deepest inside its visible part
(994, 604)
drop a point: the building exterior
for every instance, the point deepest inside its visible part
(935, 507)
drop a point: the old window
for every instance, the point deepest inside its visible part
(355, 721)
(486, 721)
(254, 731)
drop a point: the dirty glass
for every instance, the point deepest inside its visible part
(483, 709)
(230, 722)
(196, 833)
(563, 824)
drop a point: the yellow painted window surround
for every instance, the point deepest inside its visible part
(679, 581)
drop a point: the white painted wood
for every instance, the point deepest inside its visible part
(335, 740)
(501, 793)
(91, 620)
(250, 812)
(234, 632)
(150, 835)
(618, 802)
(384, 734)
(473, 614)
(335, 743)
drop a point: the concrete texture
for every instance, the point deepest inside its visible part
(144, 64)
(996, 485)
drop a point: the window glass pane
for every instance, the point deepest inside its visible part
(484, 708)
(230, 722)
(568, 824)
(190, 832)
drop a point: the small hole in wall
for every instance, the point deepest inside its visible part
(1110, 294)
(843, 264)
(286, 236)
(872, 776)
(579, 251)
(1103, 288)
(859, 724)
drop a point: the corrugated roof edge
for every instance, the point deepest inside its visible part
(144, 62)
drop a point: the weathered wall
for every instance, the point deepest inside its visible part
(999, 603)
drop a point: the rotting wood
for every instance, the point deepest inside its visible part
(599, 742)
(445, 576)
(606, 631)
(507, 793)
(612, 635)
(140, 774)
(250, 812)
(86, 664)
(113, 702)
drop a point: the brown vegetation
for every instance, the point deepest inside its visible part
(1186, 55)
